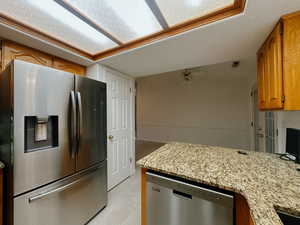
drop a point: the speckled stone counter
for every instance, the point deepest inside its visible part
(264, 180)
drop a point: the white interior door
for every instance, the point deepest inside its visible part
(119, 129)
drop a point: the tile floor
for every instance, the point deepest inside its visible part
(123, 204)
(124, 200)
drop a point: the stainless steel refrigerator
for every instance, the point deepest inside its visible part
(53, 142)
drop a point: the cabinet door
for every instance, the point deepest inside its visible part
(291, 60)
(270, 72)
(12, 51)
(242, 211)
(67, 66)
(274, 63)
(261, 77)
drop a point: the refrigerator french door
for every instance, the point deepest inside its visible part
(91, 101)
(55, 154)
(40, 92)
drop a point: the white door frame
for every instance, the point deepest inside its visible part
(99, 72)
(253, 132)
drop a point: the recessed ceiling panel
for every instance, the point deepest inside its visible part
(100, 28)
(126, 20)
(179, 11)
(49, 17)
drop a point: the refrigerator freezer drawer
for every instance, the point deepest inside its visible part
(72, 201)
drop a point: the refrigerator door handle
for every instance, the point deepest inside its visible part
(60, 189)
(79, 119)
(73, 125)
(64, 187)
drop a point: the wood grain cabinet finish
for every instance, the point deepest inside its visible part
(65, 65)
(11, 51)
(291, 61)
(278, 66)
(269, 60)
(261, 79)
(143, 197)
(274, 60)
(242, 211)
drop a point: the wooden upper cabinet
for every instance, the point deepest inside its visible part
(291, 60)
(278, 66)
(274, 63)
(269, 64)
(12, 51)
(65, 65)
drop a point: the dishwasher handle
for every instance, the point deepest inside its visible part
(182, 195)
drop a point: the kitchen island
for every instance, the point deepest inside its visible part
(264, 181)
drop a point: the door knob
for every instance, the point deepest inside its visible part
(110, 137)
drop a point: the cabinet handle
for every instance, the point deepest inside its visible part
(181, 194)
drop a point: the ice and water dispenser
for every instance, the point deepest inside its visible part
(41, 132)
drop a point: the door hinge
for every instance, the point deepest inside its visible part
(130, 160)
(277, 132)
(282, 98)
(252, 124)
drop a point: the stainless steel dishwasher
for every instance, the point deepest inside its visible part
(174, 202)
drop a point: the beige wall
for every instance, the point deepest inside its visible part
(213, 108)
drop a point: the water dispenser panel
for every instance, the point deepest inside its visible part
(40, 132)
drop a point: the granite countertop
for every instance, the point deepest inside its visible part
(266, 182)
